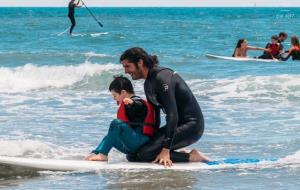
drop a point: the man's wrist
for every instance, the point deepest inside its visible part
(167, 143)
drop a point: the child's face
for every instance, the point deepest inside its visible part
(274, 41)
(118, 97)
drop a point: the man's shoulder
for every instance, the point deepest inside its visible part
(161, 71)
(281, 45)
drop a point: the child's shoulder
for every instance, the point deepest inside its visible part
(136, 98)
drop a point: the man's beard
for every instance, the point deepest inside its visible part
(138, 74)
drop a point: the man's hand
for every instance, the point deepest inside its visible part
(77, 4)
(164, 158)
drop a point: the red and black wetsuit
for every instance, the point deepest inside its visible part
(275, 51)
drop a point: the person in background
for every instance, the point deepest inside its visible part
(242, 48)
(71, 13)
(282, 36)
(294, 51)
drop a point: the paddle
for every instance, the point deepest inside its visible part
(101, 25)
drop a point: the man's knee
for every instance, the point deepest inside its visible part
(132, 158)
(146, 155)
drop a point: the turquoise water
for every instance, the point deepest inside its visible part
(54, 101)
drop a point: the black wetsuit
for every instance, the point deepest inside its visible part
(281, 45)
(295, 56)
(71, 16)
(166, 90)
(136, 112)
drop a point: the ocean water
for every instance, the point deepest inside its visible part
(55, 103)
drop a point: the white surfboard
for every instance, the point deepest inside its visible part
(83, 165)
(239, 58)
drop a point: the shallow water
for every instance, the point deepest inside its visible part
(54, 99)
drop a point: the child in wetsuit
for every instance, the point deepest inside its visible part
(133, 126)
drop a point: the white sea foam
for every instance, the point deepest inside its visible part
(32, 77)
(25, 147)
(91, 35)
(39, 149)
(99, 34)
(93, 54)
(278, 87)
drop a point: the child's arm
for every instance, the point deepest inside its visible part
(136, 106)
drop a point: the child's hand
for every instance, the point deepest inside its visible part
(127, 101)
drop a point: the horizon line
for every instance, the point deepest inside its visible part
(246, 6)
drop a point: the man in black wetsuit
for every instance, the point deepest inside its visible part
(167, 91)
(282, 36)
(71, 13)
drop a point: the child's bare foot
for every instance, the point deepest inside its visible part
(98, 157)
(196, 156)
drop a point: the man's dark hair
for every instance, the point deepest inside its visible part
(282, 34)
(121, 83)
(134, 54)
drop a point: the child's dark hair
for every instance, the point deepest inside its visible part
(274, 37)
(121, 83)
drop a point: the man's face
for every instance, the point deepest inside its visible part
(283, 38)
(130, 68)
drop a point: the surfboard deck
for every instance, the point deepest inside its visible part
(83, 165)
(211, 56)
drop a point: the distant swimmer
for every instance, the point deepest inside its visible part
(282, 36)
(242, 48)
(71, 13)
(274, 49)
(294, 51)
